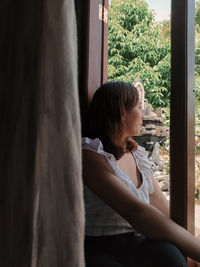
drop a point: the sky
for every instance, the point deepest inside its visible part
(161, 7)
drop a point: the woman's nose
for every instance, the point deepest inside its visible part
(142, 115)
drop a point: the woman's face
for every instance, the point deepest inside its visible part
(133, 121)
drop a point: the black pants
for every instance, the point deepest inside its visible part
(129, 250)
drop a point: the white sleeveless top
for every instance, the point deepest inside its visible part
(101, 219)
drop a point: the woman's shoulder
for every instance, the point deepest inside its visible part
(95, 159)
(94, 145)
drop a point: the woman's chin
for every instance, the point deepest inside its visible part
(137, 133)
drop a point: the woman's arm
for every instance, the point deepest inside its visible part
(158, 199)
(146, 219)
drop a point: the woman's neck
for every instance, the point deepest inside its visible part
(120, 142)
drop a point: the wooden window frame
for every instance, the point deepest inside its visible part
(92, 49)
(182, 115)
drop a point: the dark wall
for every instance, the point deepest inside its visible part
(82, 29)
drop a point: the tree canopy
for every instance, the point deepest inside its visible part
(138, 47)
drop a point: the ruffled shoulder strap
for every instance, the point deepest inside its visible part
(94, 145)
(142, 151)
(145, 165)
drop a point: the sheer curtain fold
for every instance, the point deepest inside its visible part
(60, 213)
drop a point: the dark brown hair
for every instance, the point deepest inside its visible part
(104, 118)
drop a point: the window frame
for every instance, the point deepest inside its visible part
(182, 115)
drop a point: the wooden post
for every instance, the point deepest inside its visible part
(182, 113)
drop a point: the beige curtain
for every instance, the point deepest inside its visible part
(60, 215)
(41, 198)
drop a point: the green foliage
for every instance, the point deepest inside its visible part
(197, 15)
(166, 29)
(197, 85)
(197, 57)
(138, 47)
(197, 177)
(166, 116)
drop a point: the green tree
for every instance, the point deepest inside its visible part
(197, 14)
(197, 85)
(197, 66)
(166, 29)
(139, 48)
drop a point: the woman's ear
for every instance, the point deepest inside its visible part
(124, 120)
(123, 116)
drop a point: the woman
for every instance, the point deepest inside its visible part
(127, 215)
